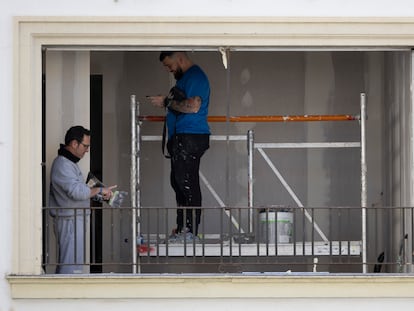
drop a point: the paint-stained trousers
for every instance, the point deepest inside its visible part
(73, 248)
(186, 151)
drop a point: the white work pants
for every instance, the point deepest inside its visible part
(73, 252)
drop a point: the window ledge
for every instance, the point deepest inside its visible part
(211, 286)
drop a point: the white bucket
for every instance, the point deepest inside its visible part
(269, 223)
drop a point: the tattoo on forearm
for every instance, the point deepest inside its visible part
(189, 105)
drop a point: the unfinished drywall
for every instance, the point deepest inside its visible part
(66, 104)
(255, 83)
(397, 156)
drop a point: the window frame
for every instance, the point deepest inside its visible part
(32, 34)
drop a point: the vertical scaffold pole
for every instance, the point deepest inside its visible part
(137, 220)
(250, 150)
(364, 182)
(133, 182)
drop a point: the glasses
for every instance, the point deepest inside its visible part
(85, 145)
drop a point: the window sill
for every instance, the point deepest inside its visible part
(211, 286)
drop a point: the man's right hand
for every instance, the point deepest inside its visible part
(107, 192)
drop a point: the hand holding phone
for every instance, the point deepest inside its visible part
(156, 100)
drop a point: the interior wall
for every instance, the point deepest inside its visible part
(139, 73)
(397, 132)
(67, 94)
(398, 118)
(375, 78)
(256, 83)
(318, 96)
(67, 104)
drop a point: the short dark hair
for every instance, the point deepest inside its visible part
(165, 54)
(76, 133)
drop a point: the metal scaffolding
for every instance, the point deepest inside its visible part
(137, 139)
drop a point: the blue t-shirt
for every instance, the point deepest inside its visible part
(194, 82)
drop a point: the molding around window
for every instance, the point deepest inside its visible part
(32, 34)
(214, 286)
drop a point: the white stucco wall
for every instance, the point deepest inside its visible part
(9, 9)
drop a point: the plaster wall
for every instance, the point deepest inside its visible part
(256, 83)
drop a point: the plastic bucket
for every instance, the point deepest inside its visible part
(276, 224)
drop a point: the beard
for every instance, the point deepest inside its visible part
(178, 74)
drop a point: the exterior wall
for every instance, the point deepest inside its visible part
(285, 304)
(9, 134)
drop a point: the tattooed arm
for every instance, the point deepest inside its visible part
(188, 105)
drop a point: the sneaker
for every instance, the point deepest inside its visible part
(176, 237)
(173, 238)
(186, 236)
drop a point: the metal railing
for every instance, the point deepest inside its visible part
(282, 240)
(138, 138)
(248, 239)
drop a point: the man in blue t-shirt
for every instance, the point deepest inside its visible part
(188, 135)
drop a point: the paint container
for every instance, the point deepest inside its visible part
(276, 223)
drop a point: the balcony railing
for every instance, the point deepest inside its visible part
(253, 147)
(283, 240)
(270, 239)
